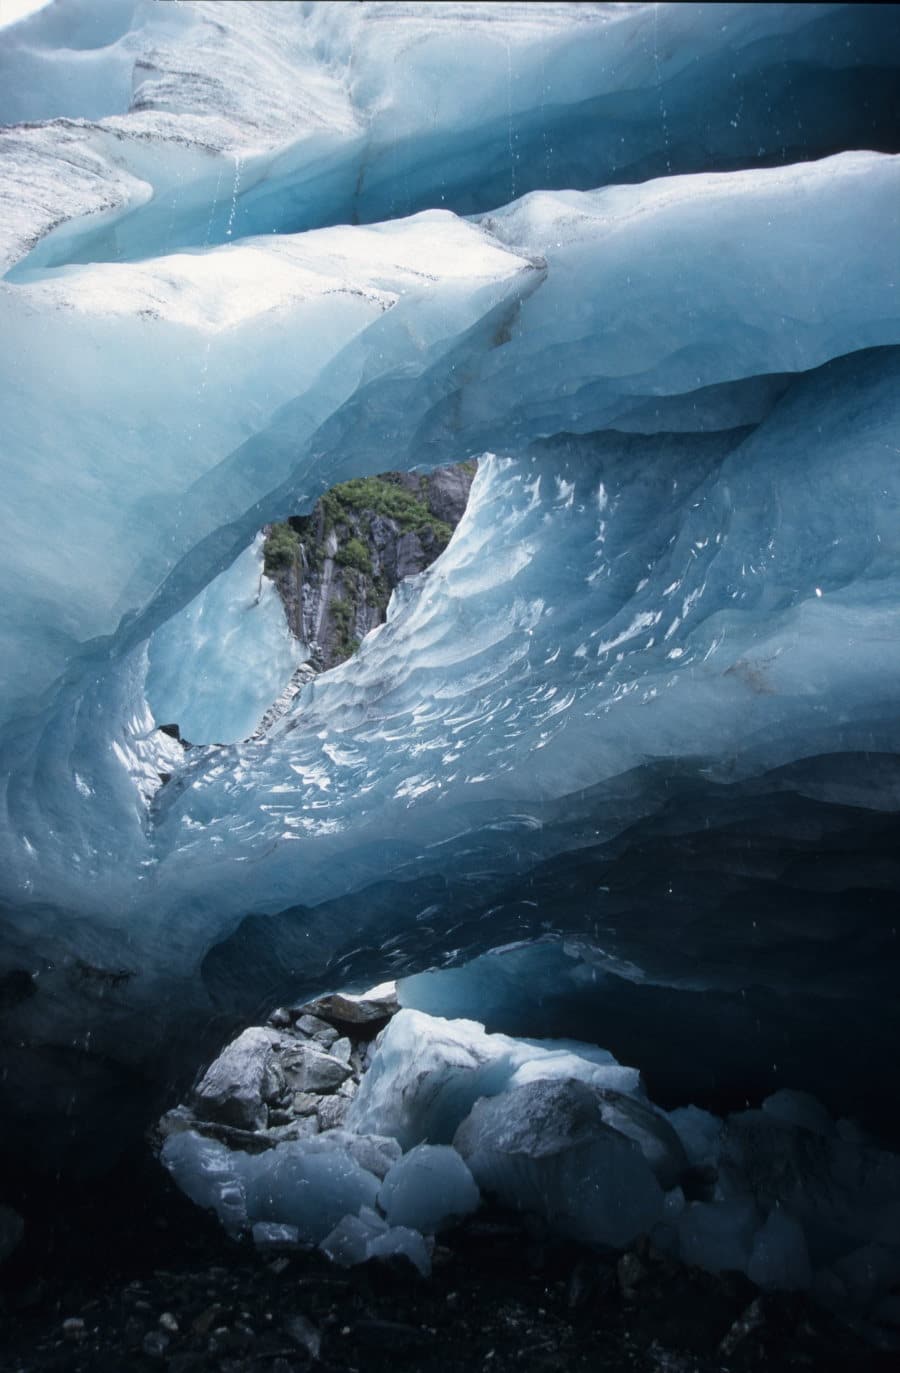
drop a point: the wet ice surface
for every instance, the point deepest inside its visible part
(660, 652)
(609, 597)
(217, 666)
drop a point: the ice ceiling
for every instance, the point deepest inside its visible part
(640, 259)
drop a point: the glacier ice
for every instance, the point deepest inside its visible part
(428, 1189)
(428, 1073)
(780, 1258)
(309, 1185)
(770, 1193)
(234, 632)
(401, 1242)
(632, 740)
(719, 1235)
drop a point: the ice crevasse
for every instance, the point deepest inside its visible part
(640, 717)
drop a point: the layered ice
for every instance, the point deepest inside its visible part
(217, 666)
(646, 699)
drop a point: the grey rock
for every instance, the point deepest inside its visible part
(305, 1103)
(410, 555)
(238, 1086)
(176, 1121)
(348, 1012)
(308, 1068)
(314, 1028)
(332, 1111)
(543, 1147)
(649, 1129)
(156, 1342)
(303, 1127)
(341, 1048)
(330, 600)
(305, 1334)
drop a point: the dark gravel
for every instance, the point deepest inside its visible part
(181, 1298)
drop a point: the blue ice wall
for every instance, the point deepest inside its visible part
(216, 666)
(668, 329)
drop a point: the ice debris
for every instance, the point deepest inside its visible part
(440, 1112)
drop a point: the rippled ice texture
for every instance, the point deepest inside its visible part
(218, 664)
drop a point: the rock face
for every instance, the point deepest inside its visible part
(335, 569)
(544, 1148)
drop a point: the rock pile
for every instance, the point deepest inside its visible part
(366, 1130)
(290, 1079)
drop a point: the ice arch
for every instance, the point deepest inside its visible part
(675, 591)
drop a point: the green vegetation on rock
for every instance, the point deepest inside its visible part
(360, 525)
(342, 617)
(381, 496)
(281, 548)
(355, 554)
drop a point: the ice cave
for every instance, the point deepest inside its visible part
(449, 847)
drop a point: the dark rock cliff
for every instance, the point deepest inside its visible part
(335, 568)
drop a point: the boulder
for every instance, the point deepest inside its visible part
(332, 1111)
(651, 1132)
(306, 1068)
(544, 1148)
(359, 1016)
(311, 1027)
(238, 1086)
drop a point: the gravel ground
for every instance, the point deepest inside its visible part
(171, 1293)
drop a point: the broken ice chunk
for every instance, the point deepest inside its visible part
(207, 1172)
(401, 1242)
(375, 1153)
(780, 1259)
(304, 1184)
(800, 1109)
(718, 1235)
(428, 1189)
(347, 1244)
(427, 1073)
(700, 1133)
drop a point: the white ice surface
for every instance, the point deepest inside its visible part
(428, 1072)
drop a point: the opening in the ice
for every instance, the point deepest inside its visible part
(298, 602)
